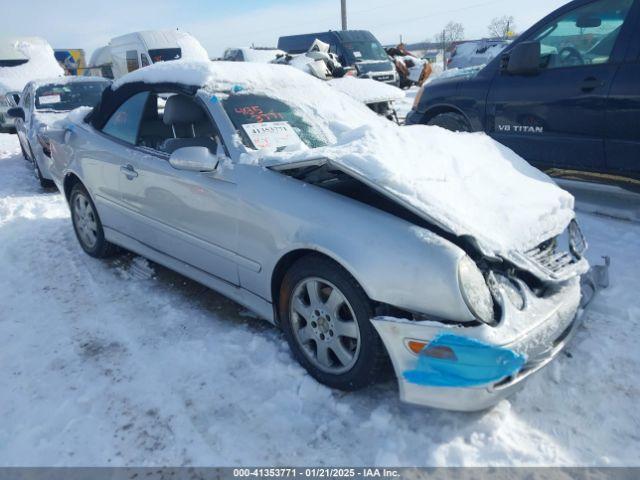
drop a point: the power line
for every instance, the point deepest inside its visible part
(315, 21)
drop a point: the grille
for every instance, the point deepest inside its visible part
(548, 256)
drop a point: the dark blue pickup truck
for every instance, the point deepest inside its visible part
(565, 95)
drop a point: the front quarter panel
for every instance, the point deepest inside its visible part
(395, 262)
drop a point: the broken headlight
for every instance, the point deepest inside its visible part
(475, 291)
(577, 242)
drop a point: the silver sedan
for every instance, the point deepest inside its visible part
(231, 174)
(42, 103)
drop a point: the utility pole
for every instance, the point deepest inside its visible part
(444, 52)
(343, 12)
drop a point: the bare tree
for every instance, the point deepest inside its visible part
(452, 32)
(501, 27)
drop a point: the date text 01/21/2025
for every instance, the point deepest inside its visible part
(315, 472)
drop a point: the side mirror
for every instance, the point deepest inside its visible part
(16, 112)
(523, 59)
(194, 159)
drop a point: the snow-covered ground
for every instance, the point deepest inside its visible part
(122, 362)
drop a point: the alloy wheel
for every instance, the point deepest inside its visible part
(324, 325)
(85, 220)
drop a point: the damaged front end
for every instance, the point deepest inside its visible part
(527, 305)
(472, 367)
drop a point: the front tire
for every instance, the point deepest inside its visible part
(325, 316)
(451, 121)
(87, 224)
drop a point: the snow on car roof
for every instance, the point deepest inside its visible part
(331, 110)
(261, 55)
(67, 79)
(42, 63)
(468, 183)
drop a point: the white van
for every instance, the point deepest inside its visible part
(129, 52)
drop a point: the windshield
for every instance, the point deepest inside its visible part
(69, 96)
(165, 54)
(267, 123)
(363, 51)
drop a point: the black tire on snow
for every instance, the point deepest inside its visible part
(451, 121)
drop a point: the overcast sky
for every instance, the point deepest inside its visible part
(222, 23)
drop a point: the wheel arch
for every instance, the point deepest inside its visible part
(436, 110)
(70, 179)
(288, 259)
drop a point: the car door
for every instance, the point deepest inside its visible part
(622, 136)
(104, 153)
(555, 118)
(190, 216)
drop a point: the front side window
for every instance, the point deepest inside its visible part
(264, 122)
(65, 97)
(125, 121)
(132, 60)
(583, 36)
(144, 61)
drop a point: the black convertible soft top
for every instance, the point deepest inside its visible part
(112, 99)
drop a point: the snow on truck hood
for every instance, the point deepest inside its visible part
(466, 183)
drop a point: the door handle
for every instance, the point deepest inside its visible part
(129, 171)
(591, 83)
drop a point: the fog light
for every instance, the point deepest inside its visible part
(442, 352)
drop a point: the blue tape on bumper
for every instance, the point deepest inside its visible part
(473, 363)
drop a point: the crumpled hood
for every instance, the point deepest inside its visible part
(466, 183)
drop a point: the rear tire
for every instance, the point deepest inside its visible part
(87, 224)
(451, 121)
(337, 321)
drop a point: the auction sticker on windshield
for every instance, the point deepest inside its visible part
(271, 134)
(48, 99)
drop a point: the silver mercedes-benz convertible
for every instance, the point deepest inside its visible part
(444, 255)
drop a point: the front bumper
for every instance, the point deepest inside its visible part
(539, 333)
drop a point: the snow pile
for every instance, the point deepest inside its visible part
(466, 182)
(366, 90)
(332, 111)
(261, 55)
(191, 48)
(42, 63)
(66, 80)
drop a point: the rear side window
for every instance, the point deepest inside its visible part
(132, 60)
(125, 121)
